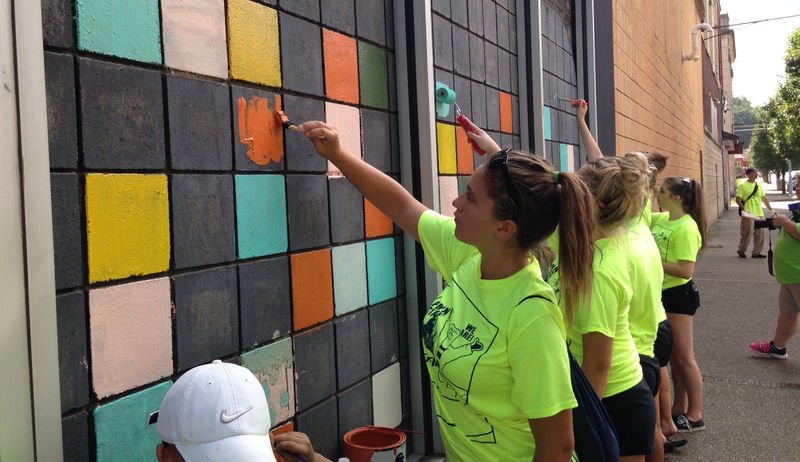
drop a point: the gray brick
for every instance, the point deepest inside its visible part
(75, 437)
(405, 389)
(306, 8)
(347, 211)
(489, 21)
(202, 219)
(492, 109)
(517, 142)
(383, 334)
(503, 32)
(477, 58)
(506, 140)
(321, 426)
(512, 6)
(57, 23)
(461, 63)
(478, 104)
(307, 206)
(402, 326)
(458, 12)
(394, 137)
(546, 45)
(264, 291)
(492, 70)
(370, 21)
(352, 348)
(301, 55)
(558, 69)
(388, 9)
(502, 3)
(67, 234)
(515, 113)
(463, 95)
(206, 316)
(300, 154)
(391, 76)
(375, 143)
(199, 124)
(475, 11)
(447, 79)
(340, 15)
(514, 76)
(442, 6)
(122, 114)
(504, 70)
(241, 161)
(512, 34)
(314, 366)
(442, 43)
(62, 127)
(550, 17)
(72, 350)
(355, 409)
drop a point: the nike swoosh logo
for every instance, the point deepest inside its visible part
(228, 418)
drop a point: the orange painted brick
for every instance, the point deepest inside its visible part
(341, 66)
(466, 159)
(285, 428)
(312, 288)
(506, 120)
(375, 222)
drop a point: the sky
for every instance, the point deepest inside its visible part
(759, 65)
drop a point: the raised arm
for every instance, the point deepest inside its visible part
(592, 149)
(482, 138)
(379, 188)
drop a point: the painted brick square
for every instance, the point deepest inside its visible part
(347, 211)
(461, 51)
(258, 136)
(506, 117)
(273, 366)
(62, 128)
(492, 109)
(489, 21)
(370, 21)
(475, 8)
(127, 225)
(265, 301)
(349, 278)
(376, 223)
(194, 36)
(115, 96)
(448, 191)
(446, 148)
(442, 43)
(340, 15)
(321, 424)
(400, 264)
(130, 30)
(75, 436)
(381, 270)
(312, 288)
(347, 120)
(383, 334)
(355, 409)
(440, 76)
(202, 220)
(341, 66)
(314, 366)
(377, 150)
(72, 351)
(492, 70)
(67, 234)
(199, 124)
(352, 348)
(387, 397)
(307, 201)
(305, 8)
(261, 215)
(477, 58)
(121, 429)
(57, 23)
(206, 316)
(131, 335)
(285, 428)
(372, 75)
(464, 152)
(301, 54)
(253, 43)
(478, 104)
(300, 154)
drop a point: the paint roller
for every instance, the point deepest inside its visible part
(444, 98)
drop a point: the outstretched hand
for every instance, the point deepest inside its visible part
(296, 447)
(484, 141)
(583, 108)
(324, 137)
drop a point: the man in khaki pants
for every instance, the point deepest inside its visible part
(749, 196)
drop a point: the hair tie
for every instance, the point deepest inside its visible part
(555, 176)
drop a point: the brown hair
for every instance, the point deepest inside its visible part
(692, 202)
(549, 200)
(619, 185)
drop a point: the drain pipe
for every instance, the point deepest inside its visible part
(695, 54)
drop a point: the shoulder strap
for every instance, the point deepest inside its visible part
(755, 190)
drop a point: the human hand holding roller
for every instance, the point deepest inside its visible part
(479, 139)
(470, 128)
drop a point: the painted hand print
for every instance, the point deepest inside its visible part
(260, 129)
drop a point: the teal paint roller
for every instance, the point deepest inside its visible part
(444, 98)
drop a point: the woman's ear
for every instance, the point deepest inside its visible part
(506, 230)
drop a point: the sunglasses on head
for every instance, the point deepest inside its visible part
(500, 161)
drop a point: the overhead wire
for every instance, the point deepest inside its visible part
(727, 27)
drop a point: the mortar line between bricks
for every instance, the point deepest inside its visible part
(773, 384)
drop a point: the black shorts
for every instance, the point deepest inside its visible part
(651, 371)
(682, 299)
(662, 348)
(633, 413)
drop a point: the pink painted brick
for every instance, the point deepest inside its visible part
(194, 36)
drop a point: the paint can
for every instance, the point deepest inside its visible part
(375, 444)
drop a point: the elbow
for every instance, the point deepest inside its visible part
(560, 449)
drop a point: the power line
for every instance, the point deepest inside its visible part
(748, 23)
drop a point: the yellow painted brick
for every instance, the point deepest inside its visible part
(446, 147)
(254, 43)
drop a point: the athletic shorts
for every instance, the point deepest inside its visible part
(789, 298)
(682, 299)
(651, 372)
(662, 348)
(633, 413)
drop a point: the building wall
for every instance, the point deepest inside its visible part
(713, 173)
(190, 226)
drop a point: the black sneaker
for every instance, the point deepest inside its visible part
(685, 425)
(671, 444)
(741, 254)
(758, 255)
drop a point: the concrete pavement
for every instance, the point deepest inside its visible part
(751, 405)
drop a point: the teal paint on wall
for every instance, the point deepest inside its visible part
(373, 76)
(349, 278)
(273, 366)
(121, 426)
(548, 130)
(462, 184)
(381, 277)
(126, 28)
(564, 165)
(261, 215)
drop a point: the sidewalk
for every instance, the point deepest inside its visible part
(752, 405)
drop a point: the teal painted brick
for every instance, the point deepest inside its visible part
(273, 366)
(349, 278)
(121, 426)
(381, 274)
(124, 28)
(463, 181)
(562, 150)
(261, 215)
(548, 133)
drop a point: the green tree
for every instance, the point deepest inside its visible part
(744, 119)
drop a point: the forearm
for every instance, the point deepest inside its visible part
(554, 437)
(739, 202)
(674, 269)
(592, 149)
(791, 228)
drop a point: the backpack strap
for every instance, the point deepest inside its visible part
(755, 190)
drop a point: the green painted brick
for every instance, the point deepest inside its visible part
(373, 76)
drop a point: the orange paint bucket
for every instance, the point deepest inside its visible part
(375, 444)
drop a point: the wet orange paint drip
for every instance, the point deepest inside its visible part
(260, 129)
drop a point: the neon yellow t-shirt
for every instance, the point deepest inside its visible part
(677, 240)
(606, 314)
(787, 258)
(495, 361)
(646, 274)
(753, 205)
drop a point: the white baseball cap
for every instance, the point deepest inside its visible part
(217, 412)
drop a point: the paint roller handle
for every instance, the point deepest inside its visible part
(462, 120)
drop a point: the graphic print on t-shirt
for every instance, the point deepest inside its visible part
(662, 234)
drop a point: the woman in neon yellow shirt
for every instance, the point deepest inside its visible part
(494, 339)
(680, 233)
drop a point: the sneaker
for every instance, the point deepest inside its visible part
(685, 425)
(670, 445)
(758, 255)
(767, 349)
(741, 254)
